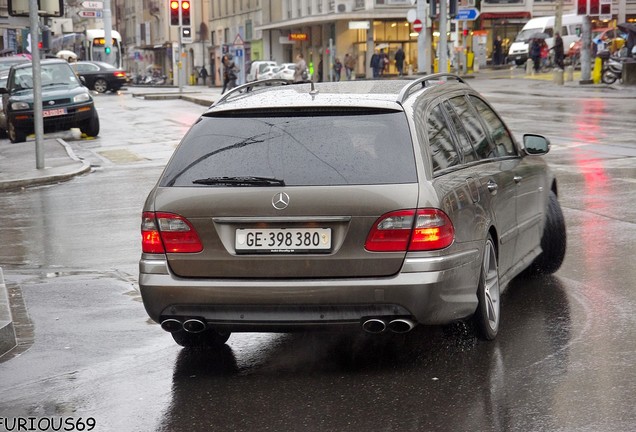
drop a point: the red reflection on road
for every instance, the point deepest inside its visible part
(588, 129)
(596, 204)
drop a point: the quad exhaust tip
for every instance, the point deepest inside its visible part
(374, 325)
(401, 325)
(398, 325)
(192, 325)
(171, 325)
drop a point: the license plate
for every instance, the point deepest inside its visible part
(53, 112)
(283, 240)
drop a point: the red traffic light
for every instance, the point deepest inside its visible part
(174, 12)
(185, 12)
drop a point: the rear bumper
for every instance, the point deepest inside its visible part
(428, 290)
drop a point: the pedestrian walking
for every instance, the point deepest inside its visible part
(224, 65)
(300, 72)
(337, 69)
(535, 54)
(384, 62)
(349, 64)
(375, 64)
(399, 61)
(231, 70)
(558, 50)
(203, 74)
(497, 51)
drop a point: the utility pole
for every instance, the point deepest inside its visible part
(424, 39)
(38, 120)
(108, 28)
(443, 40)
(586, 41)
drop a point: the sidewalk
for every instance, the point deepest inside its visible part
(18, 167)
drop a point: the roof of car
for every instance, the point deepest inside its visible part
(42, 62)
(380, 94)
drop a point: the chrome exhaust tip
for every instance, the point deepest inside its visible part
(401, 325)
(171, 325)
(374, 325)
(194, 326)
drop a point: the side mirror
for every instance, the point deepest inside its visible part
(3, 90)
(535, 144)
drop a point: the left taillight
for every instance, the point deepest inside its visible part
(168, 233)
(411, 230)
(119, 74)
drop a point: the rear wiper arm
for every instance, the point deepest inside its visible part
(241, 181)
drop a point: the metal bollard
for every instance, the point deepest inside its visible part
(529, 67)
(569, 73)
(557, 76)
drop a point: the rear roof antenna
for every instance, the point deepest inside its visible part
(313, 90)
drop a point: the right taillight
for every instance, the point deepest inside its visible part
(168, 233)
(411, 230)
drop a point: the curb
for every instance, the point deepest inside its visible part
(193, 97)
(7, 332)
(53, 175)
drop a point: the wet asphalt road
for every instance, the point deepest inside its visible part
(564, 359)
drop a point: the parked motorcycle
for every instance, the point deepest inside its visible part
(612, 70)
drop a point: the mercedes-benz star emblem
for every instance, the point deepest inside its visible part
(280, 201)
(51, 102)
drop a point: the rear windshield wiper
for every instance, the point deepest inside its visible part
(241, 181)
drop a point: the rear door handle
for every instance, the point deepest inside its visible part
(492, 186)
(517, 179)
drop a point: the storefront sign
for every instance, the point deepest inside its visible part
(298, 37)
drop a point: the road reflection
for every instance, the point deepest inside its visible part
(322, 381)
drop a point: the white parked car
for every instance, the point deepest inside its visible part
(268, 72)
(285, 71)
(257, 68)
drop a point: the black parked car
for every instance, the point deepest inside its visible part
(67, 103)
(100, 76)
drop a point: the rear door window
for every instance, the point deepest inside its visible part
(442, 149)
(473, 127)
(467, 150)
(302, 148)
(498, 131)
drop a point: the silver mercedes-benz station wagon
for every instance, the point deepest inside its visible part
(379, 205)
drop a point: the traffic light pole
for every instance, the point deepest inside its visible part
(38, 120)
(108, 27)
(443, 38)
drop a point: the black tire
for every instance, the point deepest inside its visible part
(206, 339)
(488, 314)
(608, 77)
(553, 240)
(91, 126)
(100, 85)
(15, 135)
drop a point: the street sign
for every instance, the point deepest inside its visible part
(93, 5)
(417, 25)
(467, 14)
(90, 13)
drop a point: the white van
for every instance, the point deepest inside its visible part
(257, 68)
(571, 27)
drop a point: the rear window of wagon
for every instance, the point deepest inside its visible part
(303, 149)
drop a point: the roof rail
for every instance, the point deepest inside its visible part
(406, 91)
(248, 87)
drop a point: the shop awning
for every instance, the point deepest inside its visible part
(505, 15)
